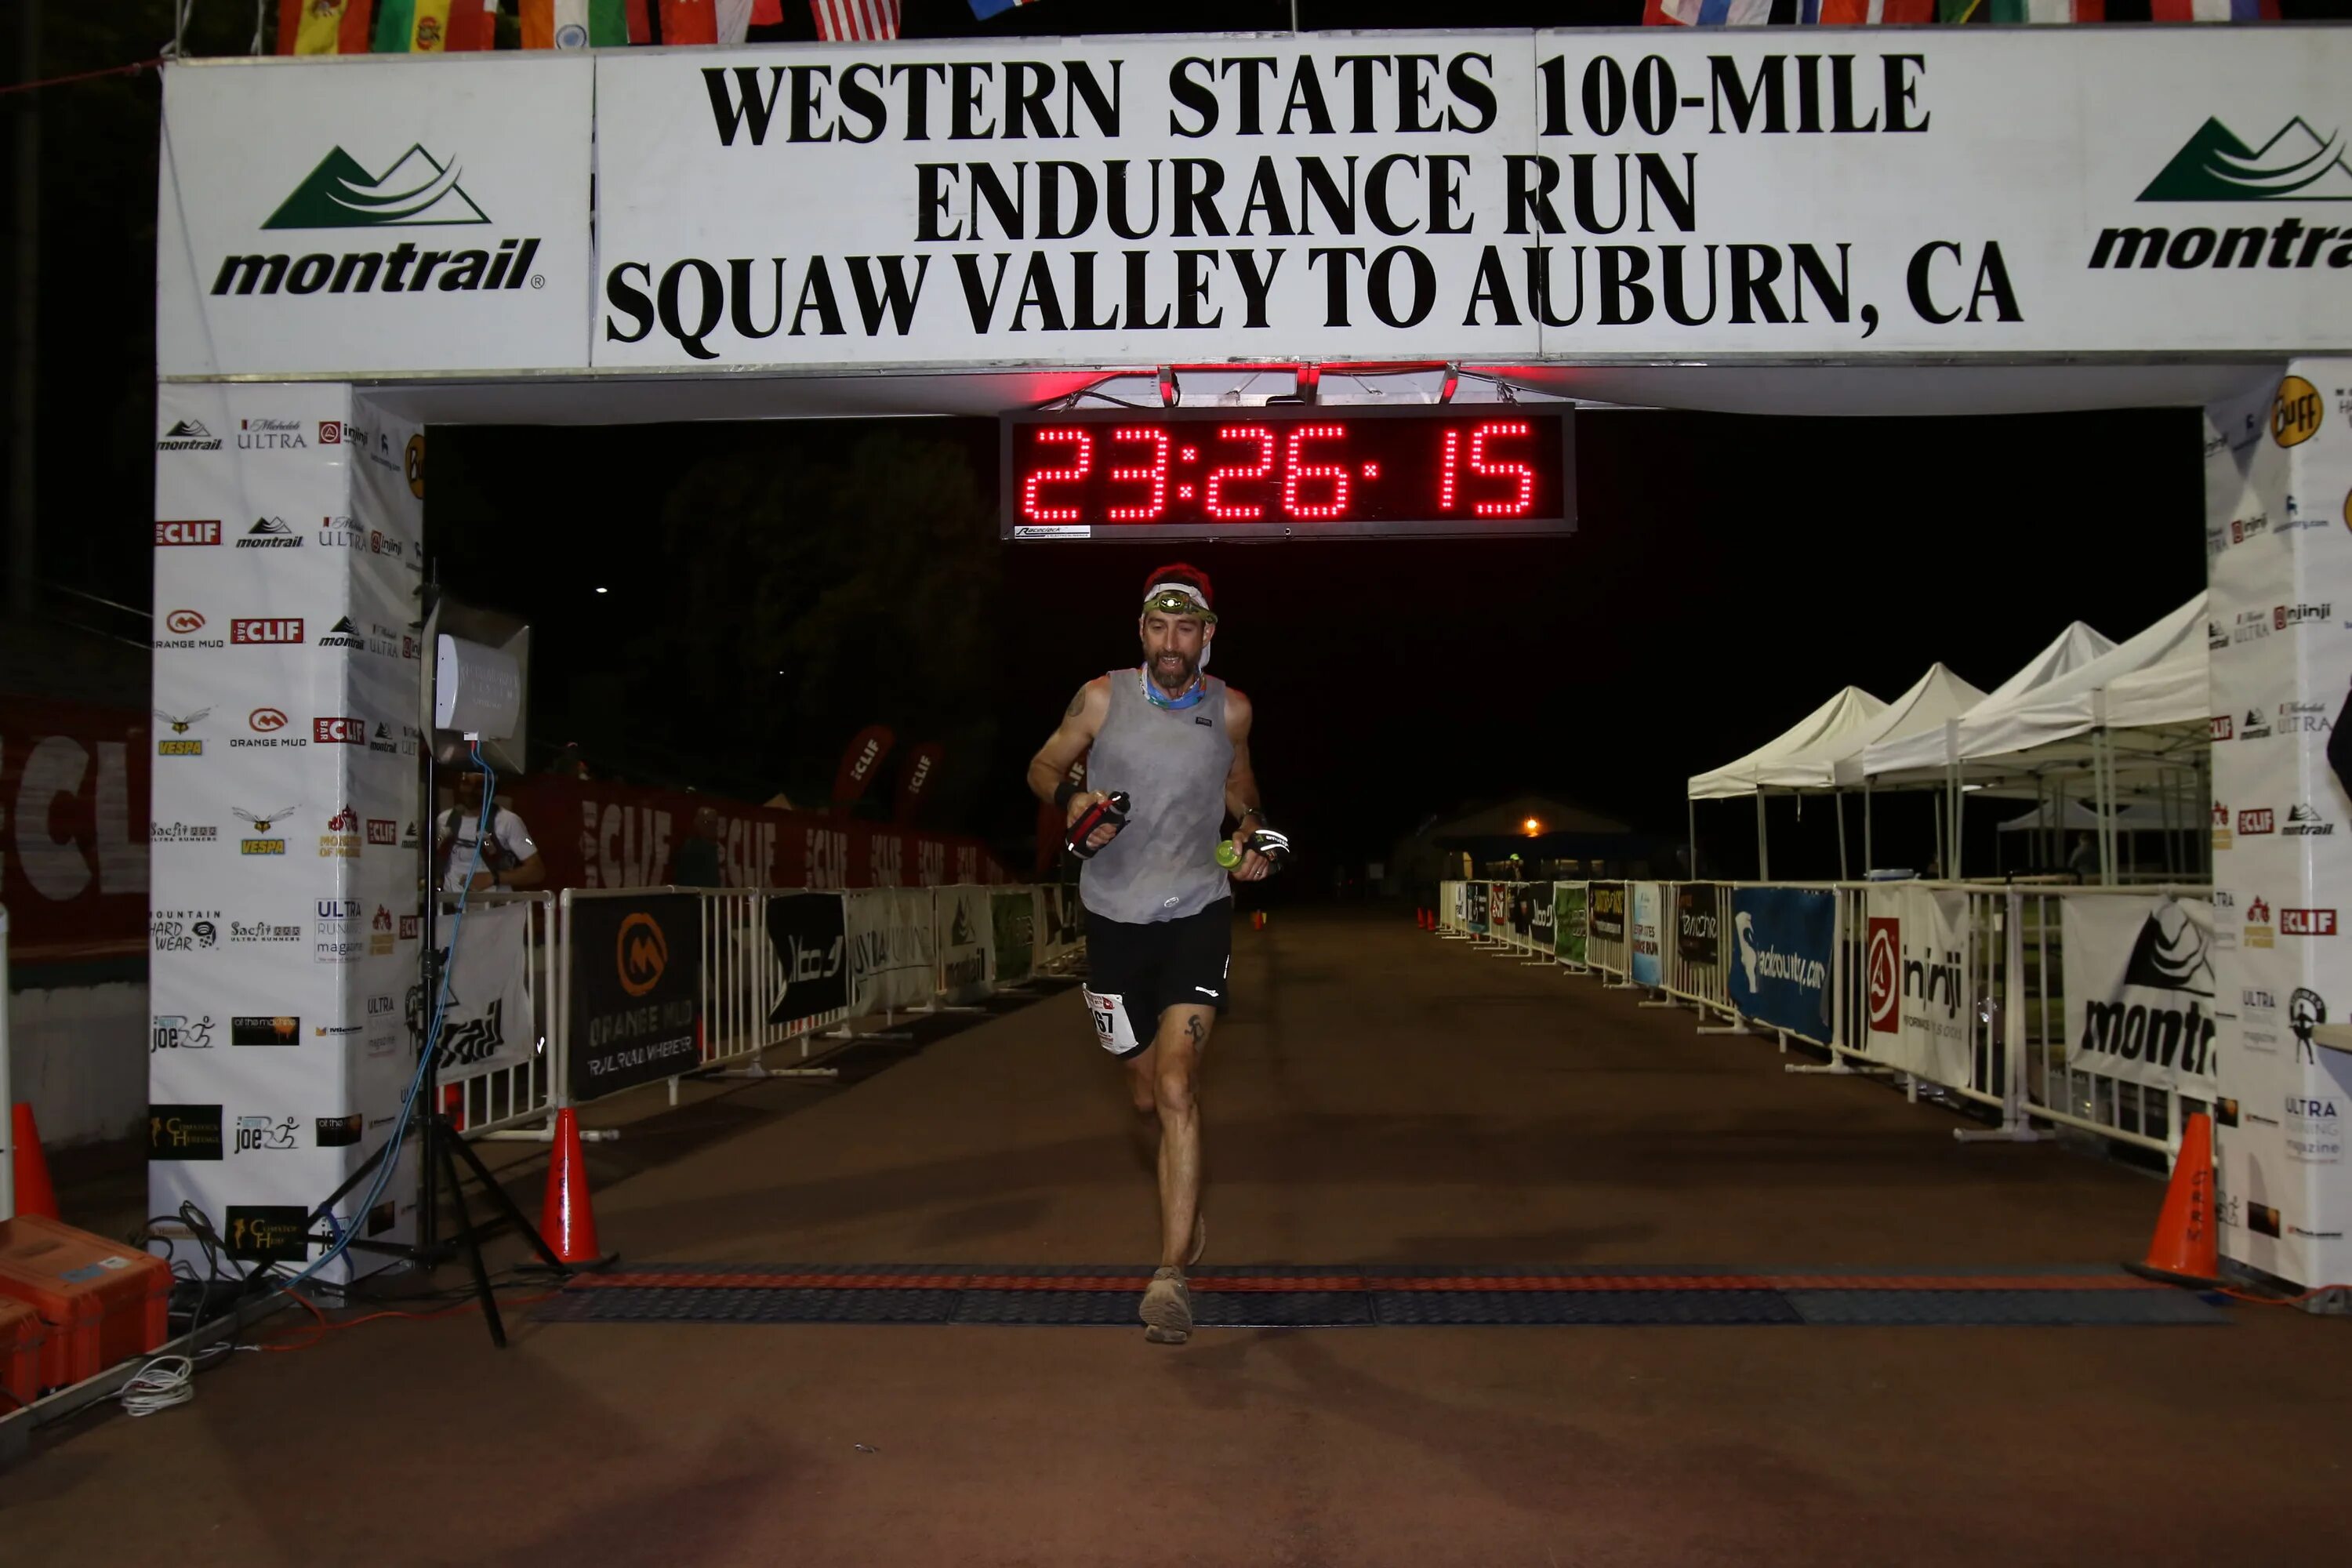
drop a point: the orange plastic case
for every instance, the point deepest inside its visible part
(22, 1335)
(100, 1302)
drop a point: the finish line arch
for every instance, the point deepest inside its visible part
(1938, 221)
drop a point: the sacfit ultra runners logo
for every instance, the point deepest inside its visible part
(418, 191)
(2295, 163)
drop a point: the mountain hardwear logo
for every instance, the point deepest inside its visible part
(416, 191)
(2295, 164)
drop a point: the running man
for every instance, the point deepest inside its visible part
(1160, 914)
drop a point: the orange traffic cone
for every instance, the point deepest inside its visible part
(34, 1194)
(2186, 1249)
(565, 1221)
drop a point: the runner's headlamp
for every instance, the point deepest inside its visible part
(1178, 601)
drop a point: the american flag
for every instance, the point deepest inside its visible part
(855, 21)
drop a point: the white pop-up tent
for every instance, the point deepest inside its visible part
(1925, 754)
(1844, 714)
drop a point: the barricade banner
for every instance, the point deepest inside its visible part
(1541, 925)
(600, 835)
(1474, 919)
(2140, 990)
(809, 934)
(891, 956)
(1916, 963)
(1012, 924)
(74, 822)
(1785, 939)
(1523, 914)
(1697, 923)
(1644, 969)
(1499, 909)
(962, 935)
(1456, 901)
(636, 978)
(1568, 922)
(487, 1023)
(1608, 912)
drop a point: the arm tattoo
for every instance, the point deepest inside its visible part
(1193, 1027)
(1075, 703)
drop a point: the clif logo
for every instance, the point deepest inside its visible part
(339, 732)
(2306, 922)
(383, 830)
(264, 632)
(2220, 727)
(2263, 821)
(207, 531)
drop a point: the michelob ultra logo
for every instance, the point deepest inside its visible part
(2295, 413)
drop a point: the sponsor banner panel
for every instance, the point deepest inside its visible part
(1064, 918)
(1498, 909)
(1783, 941)
(1475, 918)
(600, 835)
(1920, 1003)
(401, 219)
(809, 934)
(1012, 924)
(891, 961)
(1543, 920)
(488, 1022)
(963, 937)
(1644, 968)
(636, 991)
(2140, 991)
(1568, 922)
(1697, 923)
(1523, 914)
(1608, 911)
(75, 828)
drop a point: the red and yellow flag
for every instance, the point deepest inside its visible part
(323, 26)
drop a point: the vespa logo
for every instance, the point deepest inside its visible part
(641, 955)
(1884, 969)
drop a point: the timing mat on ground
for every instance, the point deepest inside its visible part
(1283, 1297)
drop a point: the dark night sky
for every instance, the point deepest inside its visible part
(1729, 575)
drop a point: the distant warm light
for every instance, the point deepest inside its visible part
(604, 590)
(1532, 825)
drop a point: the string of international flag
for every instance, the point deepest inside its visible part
(405, 26)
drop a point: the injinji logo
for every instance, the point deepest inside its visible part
(2296, 164)
(418, 191)
(1883, 964)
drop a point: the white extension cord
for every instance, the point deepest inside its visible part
(166, 1380)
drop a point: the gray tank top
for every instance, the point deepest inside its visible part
(1172, 764)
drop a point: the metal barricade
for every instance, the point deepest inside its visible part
(1609, 955)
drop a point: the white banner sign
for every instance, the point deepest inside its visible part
(1920, 1004)
(410, 213)
(964, 941)
(890, 953)
(489, 1023)
(1473, 195)
(2140, 991)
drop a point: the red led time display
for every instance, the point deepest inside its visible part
(1286, 471)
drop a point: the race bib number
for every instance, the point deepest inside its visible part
(1112, 1031)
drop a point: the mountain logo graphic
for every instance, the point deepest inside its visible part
(2296, 164)
(417, 192)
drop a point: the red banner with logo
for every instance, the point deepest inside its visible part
(859, 763)
(918, 781)
(73, 830)
(599, 834)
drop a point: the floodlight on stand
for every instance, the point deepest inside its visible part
(476, 690)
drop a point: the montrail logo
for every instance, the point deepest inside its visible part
(2159, 1013)
(2303, 821)
(188, 435)
(269, 533)
(2296, 164)
(417, 192)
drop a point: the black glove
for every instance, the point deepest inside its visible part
(1111, 809)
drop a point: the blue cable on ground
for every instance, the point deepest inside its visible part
(400, 1126)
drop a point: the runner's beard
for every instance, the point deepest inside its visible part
(1172, 672)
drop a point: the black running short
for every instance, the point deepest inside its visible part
(1135, 973)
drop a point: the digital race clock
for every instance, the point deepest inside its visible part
(1287, 471)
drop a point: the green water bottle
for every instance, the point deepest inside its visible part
(1229, 854)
